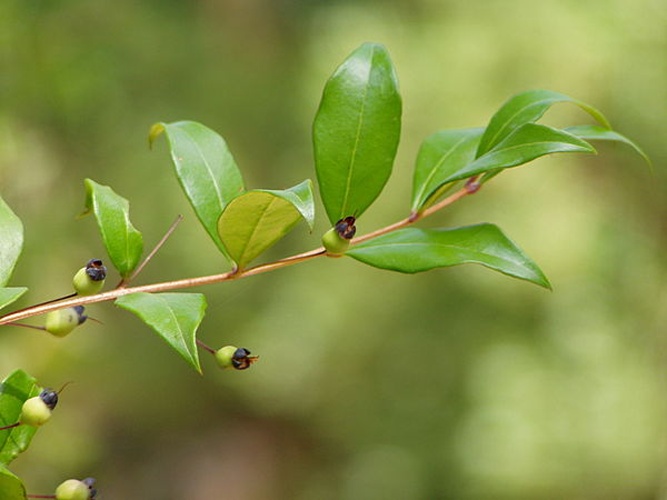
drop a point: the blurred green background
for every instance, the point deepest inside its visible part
(459, 383)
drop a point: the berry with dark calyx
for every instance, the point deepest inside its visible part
(90, 279)
(36, 411)
(73, 489)
(231, 356)
(63, 321)
(337, 239)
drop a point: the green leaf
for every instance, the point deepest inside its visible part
(415, 250)
(11, 487)
(527, 107)
(174, 316)
(14, 391)
(205, 169)
(301, 196)
(525, 144)
(11, 241)
(9, 295)
(123, 242)
(356, 132)
(256, 220)
(441, 155)
(598, 133)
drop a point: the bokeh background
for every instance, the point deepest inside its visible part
(458, 383)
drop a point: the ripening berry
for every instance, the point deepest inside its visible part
(90, 279)
(231, 356)
(73, 489)
(337, 239)
(334, 243)
(63, 321)
(37, 411)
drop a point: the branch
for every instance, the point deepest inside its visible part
(28, 312)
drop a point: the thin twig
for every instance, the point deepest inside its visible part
(25, 325)
(49, 301)
(148, 258)
(415, 216)
(234, 274)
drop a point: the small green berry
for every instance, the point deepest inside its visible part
(63, 321)
(334, 243)
(73, 489)
(337, 239)
(231, 356)
(35, 412)
(90, 279)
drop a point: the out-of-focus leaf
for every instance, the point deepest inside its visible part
(356, 132)
(123, 242)
(11, 487)
(14, 391)
(598, 133)
(174, 316)
(527, 107)
(415, 250)
(9, 295)
(205, 169)
(440, 155)
(527, 143)
(256, 220)
(11, 241)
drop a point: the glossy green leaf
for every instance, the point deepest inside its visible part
(356, 132)
(123, 242)
(14, 391)
(256, 220)
(415, 250)
(525, 144)
(11, 241)
(598, 133)
(174, 316)
(9, 295)
(205, 169)
(11, 487)
(527, 107)
(441, 155)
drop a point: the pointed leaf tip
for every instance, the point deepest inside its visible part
(415, 250)
(156, 130)
(599, 133)
(174, 316)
